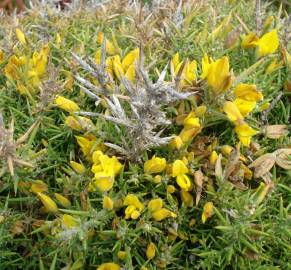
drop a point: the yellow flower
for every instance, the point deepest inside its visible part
(73, 123)
(162, 214)
(187, 198)
(1, 56)
(245, 133)
(232, 112)
(130, 73)
(134, 206)
(219, 78)
(248, 92)
(38, 186)
(78, 167)
(155, 204)
(191, 122)
(110, 48)
(176, 143)
(179, 168)
(48, 203)
(66, 104)
(103, 181)
(69, 221)
(188, 134)
(244, 106)
(171, 189)
(213, 157)
(121, 255)
(155, 165)
(188, 74)
(107, 203)
(226, 150)
(249, 41)
(271, 67)
(65, 202)
(151, 251)
(183, 181)
(20, 36)
(175, 62)
(268, 43)
(117, 67)
(207, 211)
(157, 179)
(206, 63)
(108, 266)
(129, 59)
(131, 199)
(89, 144)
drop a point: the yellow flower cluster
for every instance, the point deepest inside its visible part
(155, 207)
(114, 65)
(26, 71)
(217, 74)
(180, 170)
(105, 169)
(265, 45)
(191, 128)
(188, 72)
(245, 101)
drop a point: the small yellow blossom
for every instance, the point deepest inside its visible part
(206, 63)
(155, 165)
(268, 43)
(20, 36)
(121, 255)
(108, 266)
(134, 206)
(130, 73)
(213, 157)
(245, 133)
(272, 66)
(171, 189)
(179, 171)
(179, 168)
(69, 222)
(78, 167)
(65, 202)
(155, 204)
(129, 59)
(66, 104)
(176, 143)
(249, 41)
(226, 150)
(89, 144)
(151, 251)
(159, 213)
(110, 48)
(207, 211)
(187, 198)
(244, 106)
(48, 203)
(38, 186)
(232, 112)
(248, 92)
(191, 122)
(107, 203)
(162, 214)
(157, 179)
(1, 56)
(218, 76)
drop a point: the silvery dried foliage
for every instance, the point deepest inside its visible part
(8, 146)
(145, 121)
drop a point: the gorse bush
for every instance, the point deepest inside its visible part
(145, 135)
